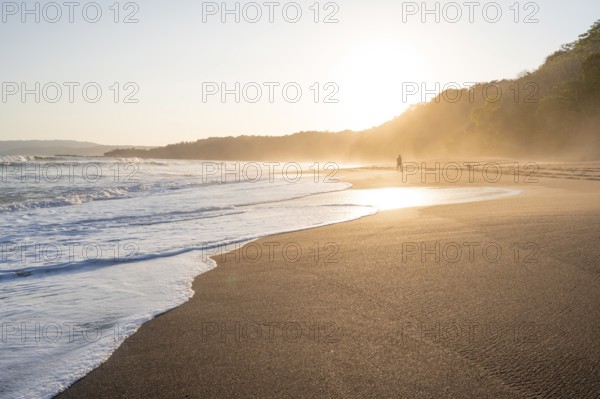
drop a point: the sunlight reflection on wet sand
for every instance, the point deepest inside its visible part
(401, 197)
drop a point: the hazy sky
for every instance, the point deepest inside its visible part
(176, 58)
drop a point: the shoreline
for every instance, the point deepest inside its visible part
(188, 328)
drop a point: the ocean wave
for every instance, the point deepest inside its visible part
(145, 161)
(166, 217)
(15, 159)
(87, 265)
(77, 195)
(65, 200)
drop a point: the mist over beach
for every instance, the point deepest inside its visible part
(300, 199)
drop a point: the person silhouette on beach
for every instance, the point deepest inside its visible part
(399, 164)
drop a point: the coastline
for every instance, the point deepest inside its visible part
(377, 323)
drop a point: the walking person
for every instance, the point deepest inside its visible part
(399, 166)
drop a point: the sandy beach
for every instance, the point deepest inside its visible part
(492, 299)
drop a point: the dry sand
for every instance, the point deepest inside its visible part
(365, 318)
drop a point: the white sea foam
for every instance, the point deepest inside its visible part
(83, 264)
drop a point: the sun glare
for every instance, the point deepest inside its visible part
(371, 90)
(385, 199)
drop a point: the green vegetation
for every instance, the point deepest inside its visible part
(553, 111)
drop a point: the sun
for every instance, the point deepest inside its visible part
(371, 87)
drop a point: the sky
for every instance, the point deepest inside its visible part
(156, 72)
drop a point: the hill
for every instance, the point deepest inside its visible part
(55, 147)
(553, 111)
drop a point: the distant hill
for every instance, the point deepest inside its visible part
(55, 147)
(301, 146)
(553, 111)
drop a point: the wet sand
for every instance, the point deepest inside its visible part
(493, 299)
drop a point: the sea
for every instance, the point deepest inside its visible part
(92, 247)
